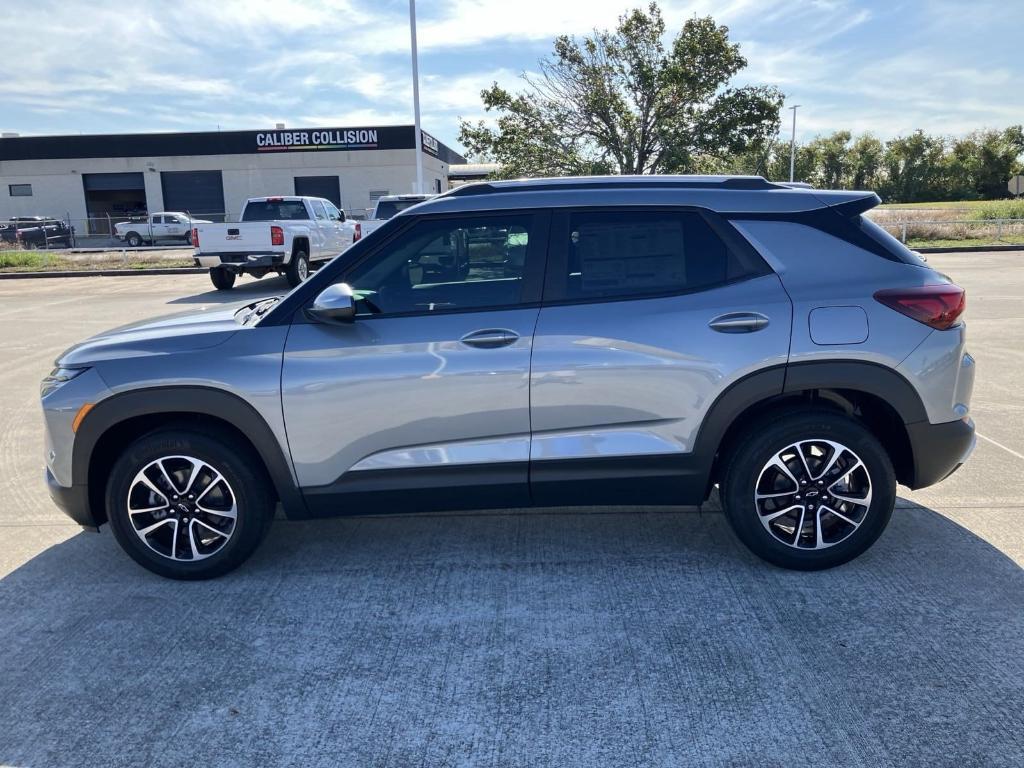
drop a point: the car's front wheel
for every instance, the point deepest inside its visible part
(188, 504)
(808, 489)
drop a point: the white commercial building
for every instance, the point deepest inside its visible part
(93, 180)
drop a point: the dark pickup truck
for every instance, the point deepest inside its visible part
(36, 231)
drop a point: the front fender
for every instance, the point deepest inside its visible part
(186, 401)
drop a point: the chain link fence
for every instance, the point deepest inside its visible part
(924, 227)
(105, 232)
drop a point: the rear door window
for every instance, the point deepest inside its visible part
(635, 253)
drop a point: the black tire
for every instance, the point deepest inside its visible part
(297, 270)
(134, 239)
(222, 278)
(234, 460)
(768, 437)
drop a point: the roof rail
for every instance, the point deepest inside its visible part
(614, 182)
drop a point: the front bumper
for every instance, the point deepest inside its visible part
(939, 449)
(73, 501)
(241, 261)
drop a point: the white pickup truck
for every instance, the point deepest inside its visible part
(274, 234)
(165, 225)
(387, 206)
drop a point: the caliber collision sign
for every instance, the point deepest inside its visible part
(326, 138)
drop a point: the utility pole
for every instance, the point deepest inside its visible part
(416, 98)
(793, 142)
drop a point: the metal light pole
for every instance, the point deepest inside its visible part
(792, 143)
(416, 98)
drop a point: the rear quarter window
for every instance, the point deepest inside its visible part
(886, 241)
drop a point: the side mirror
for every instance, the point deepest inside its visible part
(335, 304)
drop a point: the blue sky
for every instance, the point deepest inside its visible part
(105, 67)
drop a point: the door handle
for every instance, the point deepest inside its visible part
(490, 338)
(739, 322)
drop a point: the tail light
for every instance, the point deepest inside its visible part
(276, 236)
(195, 237)
(358, 234)
(937, 306)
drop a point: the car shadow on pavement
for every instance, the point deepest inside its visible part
(246, 288)
(554, 637)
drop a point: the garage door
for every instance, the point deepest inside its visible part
(319, 186)
(106, 182)
(200, 193)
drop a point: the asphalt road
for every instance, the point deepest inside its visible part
(541, 638)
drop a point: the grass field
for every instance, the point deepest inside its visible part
(967, 209)
(967, 242)
(12, 260)
(952, 224)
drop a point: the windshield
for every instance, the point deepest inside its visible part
(388, 208)
(275, 210)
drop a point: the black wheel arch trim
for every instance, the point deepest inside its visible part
(862, 376)
(782, 381)
(198, 400)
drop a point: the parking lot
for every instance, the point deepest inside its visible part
(626, 636)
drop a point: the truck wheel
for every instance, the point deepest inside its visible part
(189, 503)
(808, 490)
(298, 269)
(222, 278)
(134, 239)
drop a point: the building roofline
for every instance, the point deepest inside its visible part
(191, 143)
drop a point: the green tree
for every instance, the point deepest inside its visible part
(866, 155)
(914, 169)
(620, 101)
(830, 160)
(980, 163)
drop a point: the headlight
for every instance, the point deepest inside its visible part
(57, 378)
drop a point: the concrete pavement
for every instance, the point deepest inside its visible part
(628, 636)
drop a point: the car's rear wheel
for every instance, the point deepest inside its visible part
(134, 239)
(808, 489)
(222, 278)
(298, 268)
(187, 504)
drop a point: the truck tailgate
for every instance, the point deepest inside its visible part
(249, 237)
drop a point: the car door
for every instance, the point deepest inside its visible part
(174, 227)
(324, 227)
(648, 316)
(427, 389)
(341, 237)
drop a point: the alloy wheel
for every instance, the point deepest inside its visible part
(182, 508)
(813, 494)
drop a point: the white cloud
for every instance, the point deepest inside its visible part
(195, 64)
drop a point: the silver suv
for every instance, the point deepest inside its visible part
(538, 343)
